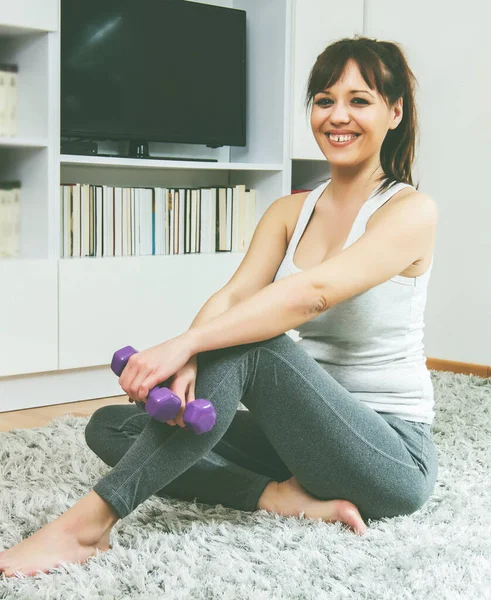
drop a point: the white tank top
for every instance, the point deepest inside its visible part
(371, 343)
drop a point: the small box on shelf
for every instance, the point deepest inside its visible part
(10, 219)
(8, 99)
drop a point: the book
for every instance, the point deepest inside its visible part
(8, 99)
(103, 221)
(10, 214)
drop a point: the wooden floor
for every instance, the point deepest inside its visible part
(38, 417)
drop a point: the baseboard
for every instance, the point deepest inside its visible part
(57, 387)
(438, 364)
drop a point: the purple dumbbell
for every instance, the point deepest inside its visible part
(163, 405)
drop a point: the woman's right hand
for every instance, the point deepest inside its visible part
(183, 383)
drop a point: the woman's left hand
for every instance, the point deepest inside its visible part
(144, 370)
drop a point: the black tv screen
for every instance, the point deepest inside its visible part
(153, 70)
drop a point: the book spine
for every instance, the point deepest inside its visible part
(100, 220)
(8, 99)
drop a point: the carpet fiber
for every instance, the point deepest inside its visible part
(176, 550)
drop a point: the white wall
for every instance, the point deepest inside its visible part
(449, 50)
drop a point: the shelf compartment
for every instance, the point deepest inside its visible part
(29, 165)
(31, 54)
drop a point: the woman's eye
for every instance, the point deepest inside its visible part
(321, 100)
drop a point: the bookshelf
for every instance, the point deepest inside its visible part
(63, 318)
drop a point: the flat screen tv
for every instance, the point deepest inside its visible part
(153, 70)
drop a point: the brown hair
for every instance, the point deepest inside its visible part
(383, 66)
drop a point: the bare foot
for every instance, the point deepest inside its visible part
(73, 537)
(290, 500)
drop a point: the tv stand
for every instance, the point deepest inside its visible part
(139, 149)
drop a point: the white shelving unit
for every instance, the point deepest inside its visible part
(61, 319)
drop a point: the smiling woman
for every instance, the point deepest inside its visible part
(366, 231)
(338, 424)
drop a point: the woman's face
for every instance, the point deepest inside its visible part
(364, 113)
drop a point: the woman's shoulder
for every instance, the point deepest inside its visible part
(291, 207)
(408, 193)
(415, 200)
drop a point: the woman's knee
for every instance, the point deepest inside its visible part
(415, 501)
(404, 504)
(279, 342)
(371, 504)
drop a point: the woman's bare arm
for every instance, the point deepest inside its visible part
(283, 305)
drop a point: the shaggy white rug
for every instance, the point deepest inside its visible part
(179, 550)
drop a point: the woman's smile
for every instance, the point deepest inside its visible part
(345, 140)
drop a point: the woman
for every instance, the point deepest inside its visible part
(339, 423)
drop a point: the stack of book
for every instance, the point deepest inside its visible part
(100, 220)
(9, 219)
(8, 100)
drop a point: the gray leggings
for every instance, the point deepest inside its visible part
(300, 421)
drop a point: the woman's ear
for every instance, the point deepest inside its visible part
(397, 113)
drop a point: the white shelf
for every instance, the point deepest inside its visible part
(143, 163)
(23, 142)
(28, 17)
(194, 257)
(14, 30)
